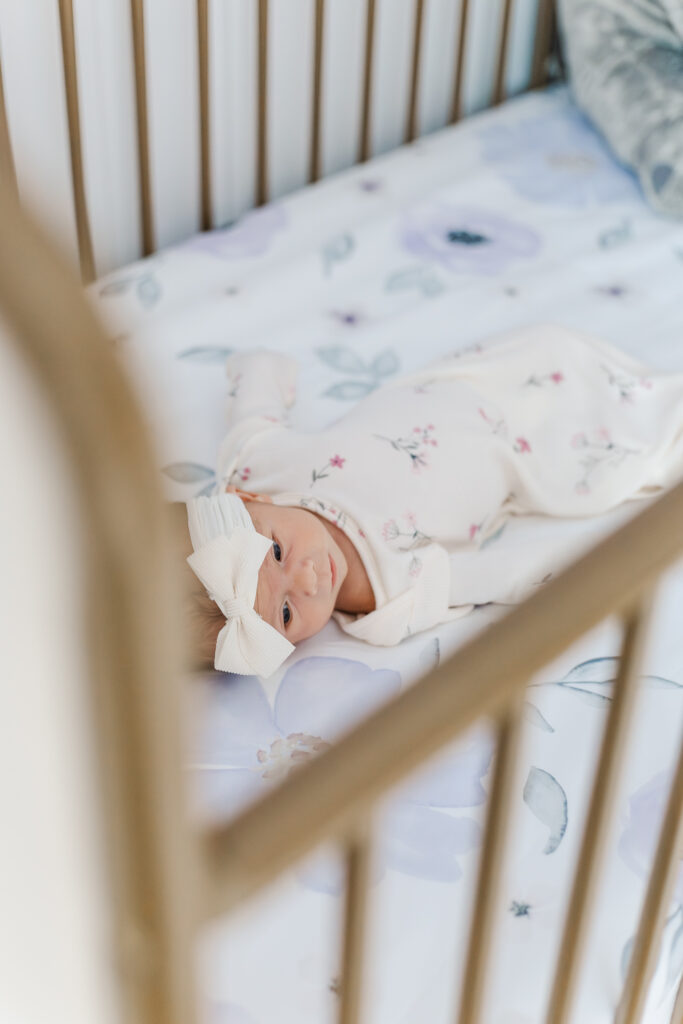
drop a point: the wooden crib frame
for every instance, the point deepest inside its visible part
(167, 878)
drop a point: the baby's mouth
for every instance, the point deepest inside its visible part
(333, 570)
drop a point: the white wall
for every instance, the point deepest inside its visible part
(31, 55)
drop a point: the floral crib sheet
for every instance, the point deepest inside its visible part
(515, 216)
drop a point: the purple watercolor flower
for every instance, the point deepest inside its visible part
(244, 746)
(349, 318)
(369, 184)
(249, 236)
(641, 827)
(562, 160)
(466, 239)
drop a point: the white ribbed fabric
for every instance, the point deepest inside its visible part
(228, 553)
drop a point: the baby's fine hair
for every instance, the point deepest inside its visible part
(203, 616)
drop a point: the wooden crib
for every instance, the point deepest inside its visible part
(166, 877)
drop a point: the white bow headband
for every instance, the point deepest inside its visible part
(228, 553)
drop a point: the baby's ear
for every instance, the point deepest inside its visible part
(248, 495)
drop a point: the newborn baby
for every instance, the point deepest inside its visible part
(312, 569)
(397, 516)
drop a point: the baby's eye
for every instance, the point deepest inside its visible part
(286, 614)
(277, 551)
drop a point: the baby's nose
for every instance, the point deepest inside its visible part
(307, 578)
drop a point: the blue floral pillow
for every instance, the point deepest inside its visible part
(625, 60)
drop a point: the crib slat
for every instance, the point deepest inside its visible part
(364, 147)
(85, 249)
(602, 799)
(545, 27)
(204, 124)
(411, 123)
(314, 172)
(657, 899)
(491, 863)
(355, 915)
(499, 86)
(8, 171)
(145, 180)
(456, 109)
(262, 102)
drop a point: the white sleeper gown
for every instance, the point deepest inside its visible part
(444, 479)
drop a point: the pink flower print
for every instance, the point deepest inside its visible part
(234, 385)
(474, 530)
(646, 383)
(497, 426)
(477, 347)
(415, 567)
(336, 461)
(537, 381)
(522, 445)
(411, 445)
(390, 530)
(240, 476)
(600, 450)
(624, 383)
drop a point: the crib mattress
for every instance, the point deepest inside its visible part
(516, 216)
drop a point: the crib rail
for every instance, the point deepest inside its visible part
(543, 36)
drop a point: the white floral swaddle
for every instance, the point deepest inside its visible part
(444, 479)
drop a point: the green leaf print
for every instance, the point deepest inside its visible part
(339, 357)
(149, 291)
(547, 800)
(350, 390)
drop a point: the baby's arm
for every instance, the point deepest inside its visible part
(261, 387)
(260, 383)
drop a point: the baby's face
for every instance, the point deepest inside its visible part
(302, 574)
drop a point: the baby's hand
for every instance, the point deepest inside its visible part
(248, 495)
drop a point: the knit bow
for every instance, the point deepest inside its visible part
(228, 569)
